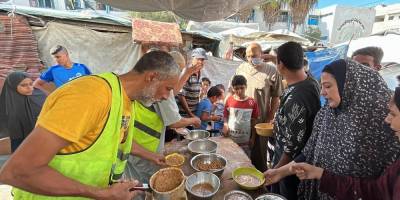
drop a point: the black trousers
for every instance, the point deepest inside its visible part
(287, 187)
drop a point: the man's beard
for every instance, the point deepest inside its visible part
(146, 96)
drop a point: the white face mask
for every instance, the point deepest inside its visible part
(256, 61)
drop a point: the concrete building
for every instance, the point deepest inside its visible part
(387, 17)
(60, 4)
(342, 23)
(336, 23)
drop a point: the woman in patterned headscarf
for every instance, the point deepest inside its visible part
(349, 134)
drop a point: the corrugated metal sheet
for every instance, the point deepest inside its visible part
(85, 15)
(18, 46)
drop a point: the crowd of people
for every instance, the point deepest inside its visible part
(99, 135)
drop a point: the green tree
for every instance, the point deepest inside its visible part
(271, 10)
(299, 10)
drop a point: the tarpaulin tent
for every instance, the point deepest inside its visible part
(100, 51)
(318, 59)
(388, 41)
(18, 47)
(219, 71)
(204, 10)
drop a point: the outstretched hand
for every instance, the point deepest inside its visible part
(306, 171)
(272, 176)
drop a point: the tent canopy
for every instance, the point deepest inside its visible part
(389, 43)
(204, 10)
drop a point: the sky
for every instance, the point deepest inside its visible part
(357, 3)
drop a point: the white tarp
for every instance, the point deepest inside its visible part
(389, 44)
(219, 71)
(239, 31)
(218, 26)
(101, 52)
(203, 10)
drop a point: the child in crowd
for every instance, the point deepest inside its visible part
(218, 110)
(204, 108)
(205, 85)
(240, 113)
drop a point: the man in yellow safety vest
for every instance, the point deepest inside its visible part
(81, 142)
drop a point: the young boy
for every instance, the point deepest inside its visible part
(240, 113)
(218, 110)
(204, 108)
(205, 85)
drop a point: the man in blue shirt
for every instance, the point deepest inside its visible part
(203, 110)
(63, 72)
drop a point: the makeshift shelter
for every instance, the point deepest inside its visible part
(219, 71)
(242, 34)
(388, 41)
(102, 42)
(18, 45)
(204, 10)
(100, 51)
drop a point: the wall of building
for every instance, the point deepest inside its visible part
(341, 23)
(387, 17)
(21, 2)
(326, 19)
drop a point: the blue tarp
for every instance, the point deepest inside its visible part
(318, 59)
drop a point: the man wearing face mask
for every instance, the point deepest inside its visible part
(264, 84)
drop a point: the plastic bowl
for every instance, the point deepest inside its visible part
(264, 129)
(248, 171)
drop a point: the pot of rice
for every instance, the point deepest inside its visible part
(168, 184)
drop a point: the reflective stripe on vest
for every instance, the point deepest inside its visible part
(147, 127)
(93, 165)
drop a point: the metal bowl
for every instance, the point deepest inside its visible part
(271, 196)
(243, 195)
(202, 146)
(200, 178)
(207, 159)
(197, 134)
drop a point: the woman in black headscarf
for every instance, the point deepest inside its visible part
(349, 135)
(18, 113)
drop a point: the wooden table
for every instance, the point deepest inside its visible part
(233, 154)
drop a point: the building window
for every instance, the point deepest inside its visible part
(391, 17)
(380, 19)
(45, 3)
(283, 17)
(313, 20)
(74, 4)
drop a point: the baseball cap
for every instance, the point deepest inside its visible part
(199, 53)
